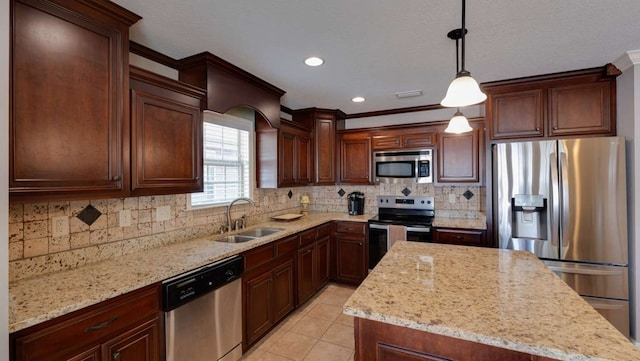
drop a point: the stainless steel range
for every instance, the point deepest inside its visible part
(399, 219)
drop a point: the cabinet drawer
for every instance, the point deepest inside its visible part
(351, 227)
(65, 336)
(286, 246)
(307, 237)
(258, 256)
(324, 230)
(463, 237)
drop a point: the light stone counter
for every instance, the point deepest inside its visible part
(503, 298)
(38, 299)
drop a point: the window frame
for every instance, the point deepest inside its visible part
(231, 121)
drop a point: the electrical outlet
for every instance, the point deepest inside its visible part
(60, 226)
(163, 213)
(125, 218)
(452, 198)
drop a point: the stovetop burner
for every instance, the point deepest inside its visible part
(407, 211)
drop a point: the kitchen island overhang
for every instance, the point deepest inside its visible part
(469, 297)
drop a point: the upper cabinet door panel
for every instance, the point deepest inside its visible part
(516, 114)
(166, 135)
(580, 109)
(69, 129)
(325, 151)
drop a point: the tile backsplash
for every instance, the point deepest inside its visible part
(47, 237)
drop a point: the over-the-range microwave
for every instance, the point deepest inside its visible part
(403, 166)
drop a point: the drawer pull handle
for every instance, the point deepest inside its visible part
(100, 325)
(115, 356)
(459, 237)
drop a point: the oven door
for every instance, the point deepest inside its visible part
(378, 243)
(418, 234)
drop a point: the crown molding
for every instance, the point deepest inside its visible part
(627, 60)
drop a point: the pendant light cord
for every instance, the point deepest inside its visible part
(463, 31)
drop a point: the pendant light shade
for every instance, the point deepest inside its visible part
(463, 91)
(458, 124)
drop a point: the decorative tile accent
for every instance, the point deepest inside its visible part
(406, 191)
(468, 194)
(89, 215)
(290, 194)
(341, 192)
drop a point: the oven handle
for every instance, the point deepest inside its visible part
(419, 229)
(379, 226)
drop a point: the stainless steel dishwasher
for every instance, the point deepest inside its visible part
(203, 313)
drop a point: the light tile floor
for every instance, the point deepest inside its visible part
(317, 330)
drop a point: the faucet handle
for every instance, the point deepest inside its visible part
(243, 221)
(222, 229)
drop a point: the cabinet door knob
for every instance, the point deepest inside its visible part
(197, 178)
(360, 243)
(555, 128)
(115, 356)
(116, 178)
(537, 129)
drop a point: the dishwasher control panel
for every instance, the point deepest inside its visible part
(183, 288)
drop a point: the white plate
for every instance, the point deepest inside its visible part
(287, 217)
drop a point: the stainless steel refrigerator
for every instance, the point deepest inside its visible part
(565, 201)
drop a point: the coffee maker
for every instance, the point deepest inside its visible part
(356, 203)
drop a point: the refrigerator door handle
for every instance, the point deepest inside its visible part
(555, 200)
(609, 271)
(564, 205)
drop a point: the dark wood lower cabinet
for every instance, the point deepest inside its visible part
(126, 328)
(350, 252)
(377, 341)
(306, 287)
(464, 237)
(283, 296)
(268, 286)
(258, 317)
(323, 255)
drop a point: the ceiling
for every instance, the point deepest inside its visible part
(377, 48)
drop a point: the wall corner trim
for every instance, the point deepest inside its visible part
(627, 60)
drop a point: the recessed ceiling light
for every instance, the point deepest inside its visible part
(314, 61)
(358, 99)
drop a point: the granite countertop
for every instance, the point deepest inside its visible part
(502, 298)
(38, 299)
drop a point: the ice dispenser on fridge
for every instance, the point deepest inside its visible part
(529, 221)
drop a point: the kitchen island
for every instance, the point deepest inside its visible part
(435, 302)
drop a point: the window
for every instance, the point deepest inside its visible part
(228, 160)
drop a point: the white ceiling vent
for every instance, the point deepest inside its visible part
(409, 94)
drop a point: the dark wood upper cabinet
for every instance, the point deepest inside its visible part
(355, 158)
(284, 155)
(581, 109)
(229, 86)
(69, 122)
(166, 135)
(517, 114)
(323, 123)
(295, 156)
(458, 157)
(576, 103)
(407, 138)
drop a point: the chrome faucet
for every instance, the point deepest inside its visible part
(229, 225)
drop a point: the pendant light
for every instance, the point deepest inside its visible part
(463, 90)
(459, 123)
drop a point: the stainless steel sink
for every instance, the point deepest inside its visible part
(261, 232)
(238, 238)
